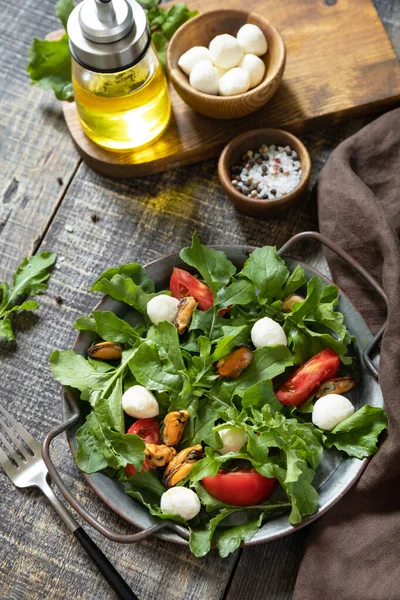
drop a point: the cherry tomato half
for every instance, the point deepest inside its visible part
(149, 431)
(244, 487)
(183, 284)
(307, 379)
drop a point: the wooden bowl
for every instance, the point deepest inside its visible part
(199, 32)
(252, 140)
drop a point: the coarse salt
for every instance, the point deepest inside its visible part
(270, 173)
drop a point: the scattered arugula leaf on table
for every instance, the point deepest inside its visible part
(28, 280)
(49, 61)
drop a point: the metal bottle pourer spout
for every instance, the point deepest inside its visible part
(106, 12)
(108, 35)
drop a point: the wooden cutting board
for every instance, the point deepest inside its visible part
(340, 65)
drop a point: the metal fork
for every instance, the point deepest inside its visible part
(24, 465)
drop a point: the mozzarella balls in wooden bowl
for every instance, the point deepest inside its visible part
(226, 64)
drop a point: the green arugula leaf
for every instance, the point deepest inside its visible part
(232, 336)
(326, 314)
(296, 279)
(200, 539)
(75, 371)
(30, 276)
(203, 427)
(100, 447)
(267, 363)
(124, 289)
(213, 265)
(208, 322)
(160, 42)
(63, 9)
(175, 16)
(132, 271)
(6, 332)
(165, 335)
(303, 496)
(315, 288)
(147, 485)
(109, 327)
(154, 370)
(358, 435)
(259, 395)
(229, 540)
(27, 305)
(49, 66)
(29, 279)
(267, 271)
(240, 291)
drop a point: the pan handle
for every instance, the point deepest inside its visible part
(349, 260)
(108, 533)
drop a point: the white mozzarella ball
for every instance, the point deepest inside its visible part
(139, 403)
(190, 58)
(204, 77)
(252, 39)
(267, 332)
(255, 66)
(235, 81)
(233, 438)
(330, 410)
(225, 51)
(180, 501)
(162, 308)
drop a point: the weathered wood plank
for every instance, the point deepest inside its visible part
(38, 159)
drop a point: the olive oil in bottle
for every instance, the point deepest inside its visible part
(119, 86)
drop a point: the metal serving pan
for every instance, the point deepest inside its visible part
(334, 476)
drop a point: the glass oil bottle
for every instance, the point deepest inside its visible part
(119, 86)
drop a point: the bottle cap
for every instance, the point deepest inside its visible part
(108, 35)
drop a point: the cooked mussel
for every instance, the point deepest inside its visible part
(184, 315)
(174, 424)
(181, 465)
(289, 301)
(105, 351)
(159, 455)
(235, 362)
(338, 385)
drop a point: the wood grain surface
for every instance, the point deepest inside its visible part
(340, 65)
(140, 220)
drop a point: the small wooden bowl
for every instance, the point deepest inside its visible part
(252, 140)
(199, 32)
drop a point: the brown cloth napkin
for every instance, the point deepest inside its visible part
(353, 552)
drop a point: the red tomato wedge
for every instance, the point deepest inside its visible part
(149, 431)
(307, 379)
(183, 284)
(244, 487)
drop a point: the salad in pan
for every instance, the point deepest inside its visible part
(215, 405)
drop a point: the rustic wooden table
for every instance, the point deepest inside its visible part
(48, 200)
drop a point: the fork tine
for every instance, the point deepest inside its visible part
(30, 441)
(6, 463)
(16, 441)
(12, 453)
